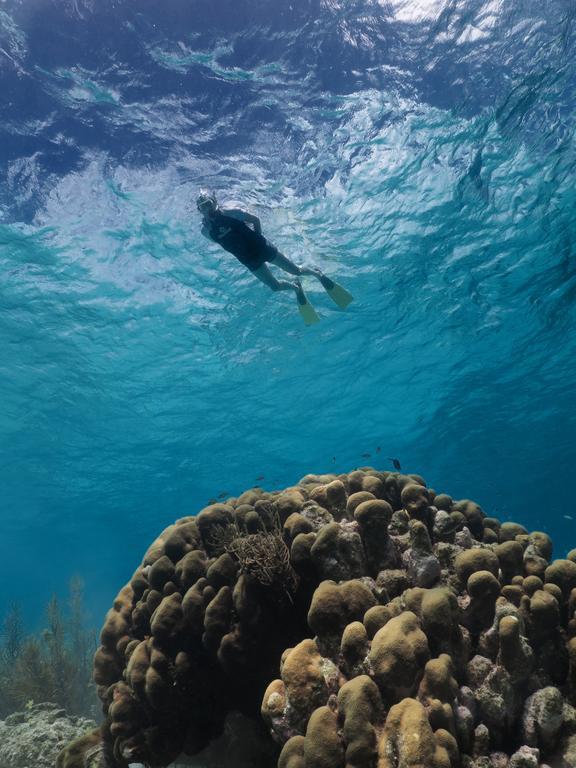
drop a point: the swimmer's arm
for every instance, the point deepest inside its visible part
(206, 232)
(242, 215)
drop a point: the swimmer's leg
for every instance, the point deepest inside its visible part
(337, 293)
(306, 309)
(289, 266)
(265, 276)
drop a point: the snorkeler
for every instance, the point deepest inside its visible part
(240, 233)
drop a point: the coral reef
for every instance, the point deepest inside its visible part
(35, 736)
(365, 618)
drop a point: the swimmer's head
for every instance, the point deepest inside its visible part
(206, 202)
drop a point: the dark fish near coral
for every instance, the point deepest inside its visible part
(378, 449)
(396, 463)
(223, 495)
(366, 455)
(260, 477)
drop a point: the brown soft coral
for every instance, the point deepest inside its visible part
(84, 752)
(408, 740)
(360, 711)
(333, 607)
(302, 689)
(398, 655)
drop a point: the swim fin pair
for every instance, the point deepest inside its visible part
(340, 296)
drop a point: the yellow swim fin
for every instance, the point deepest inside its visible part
(306, 309)
(339, 295)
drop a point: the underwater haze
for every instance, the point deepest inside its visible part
(420, 152)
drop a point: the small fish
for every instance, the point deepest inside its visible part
(334, 459)
(366, 455)
(396, 463)
(378, 449)
(568, 517)
(212, 501)
(260, 477)
(223, 495)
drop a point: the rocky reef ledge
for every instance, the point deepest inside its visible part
(33, 739)
(358, 620)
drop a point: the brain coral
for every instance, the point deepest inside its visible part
(362, 618)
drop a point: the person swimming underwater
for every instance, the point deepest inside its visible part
(240, 233)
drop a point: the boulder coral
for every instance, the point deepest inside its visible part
(361, 620)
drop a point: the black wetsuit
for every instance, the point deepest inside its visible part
(236, 237)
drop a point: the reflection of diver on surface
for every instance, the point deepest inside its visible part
(239, 232)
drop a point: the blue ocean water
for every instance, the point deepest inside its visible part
(422, 152)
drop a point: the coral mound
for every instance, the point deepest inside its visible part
(365, 618)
